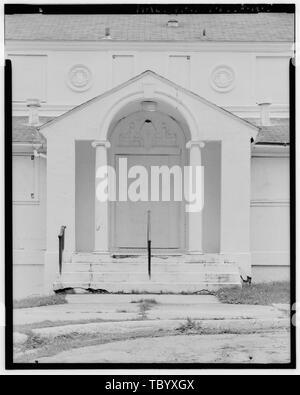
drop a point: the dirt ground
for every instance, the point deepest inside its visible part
(266, 347)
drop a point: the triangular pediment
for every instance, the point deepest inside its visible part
(147, 78)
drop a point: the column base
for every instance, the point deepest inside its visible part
(242, 259)
(194, 252)
(101, 252)
(51, 271)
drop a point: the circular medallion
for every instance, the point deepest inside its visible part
(222, 78)
(79, 78)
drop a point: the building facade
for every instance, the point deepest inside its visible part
(157, 90)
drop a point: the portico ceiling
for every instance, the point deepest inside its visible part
(162, 107)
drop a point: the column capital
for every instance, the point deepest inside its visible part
(198, 143)
(101, 143)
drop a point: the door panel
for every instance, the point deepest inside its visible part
(131, 217)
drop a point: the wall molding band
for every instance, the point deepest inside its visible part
(284, 48)
(269, 203)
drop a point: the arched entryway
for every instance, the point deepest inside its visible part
(159, 139)
(79, 142)
(153, 141)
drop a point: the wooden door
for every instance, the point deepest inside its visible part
(166, 216)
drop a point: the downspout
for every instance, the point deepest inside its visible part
(34, 121)
(37, 154)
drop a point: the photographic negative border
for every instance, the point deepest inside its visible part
(132, 9)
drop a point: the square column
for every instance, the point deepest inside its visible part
(60, 205)
(235, 202)
(101, 207)
(195, 218)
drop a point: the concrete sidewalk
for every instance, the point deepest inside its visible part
(135, 327)
(153, 328)
(127, 308)
(122, 318)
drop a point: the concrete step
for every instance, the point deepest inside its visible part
(156, 258)
(141, 267)
(147, 287)
(173, 273)
(156, 277)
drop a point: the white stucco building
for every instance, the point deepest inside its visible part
(219, 88)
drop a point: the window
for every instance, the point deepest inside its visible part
(25, 179)
(179, 70)
(272, 79)
(28, 77)
(123, 68)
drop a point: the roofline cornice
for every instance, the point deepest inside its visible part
(273, 150)
(25, 147)
(182, 46)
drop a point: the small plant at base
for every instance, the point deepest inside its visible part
(189, 326)
(148, 301)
